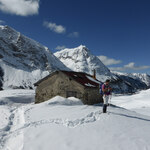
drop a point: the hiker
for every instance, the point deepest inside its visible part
(106, 93)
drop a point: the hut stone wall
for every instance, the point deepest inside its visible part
(58, 84)
(65, 86)
(93, 96)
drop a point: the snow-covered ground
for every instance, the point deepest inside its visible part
(138, 102)
(67, 124)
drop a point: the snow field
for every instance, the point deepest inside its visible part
(67, 124)
(12, 104)
(86, 127)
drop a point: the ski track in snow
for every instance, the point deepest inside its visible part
(17, 124)
(10, 134)
(91, 117)
(14, 129)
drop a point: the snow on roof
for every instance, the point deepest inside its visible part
(92, 79)
(83, 78)
(90, 85)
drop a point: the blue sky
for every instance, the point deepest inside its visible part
(116, 30)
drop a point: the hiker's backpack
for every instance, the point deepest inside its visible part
(101, 91)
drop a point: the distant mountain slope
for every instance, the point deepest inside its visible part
(23, 61)
(127, 84)
(136, 79)
(141, 76)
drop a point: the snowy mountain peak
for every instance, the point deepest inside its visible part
(6, 27)
(80, 59)
(80, 49)
(9, 33)
(2, 27)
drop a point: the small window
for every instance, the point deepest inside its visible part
(71, 94)
(80, 76)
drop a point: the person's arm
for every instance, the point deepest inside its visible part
(110, 89)
(104, 89)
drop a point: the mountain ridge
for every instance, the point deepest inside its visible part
(23, 60)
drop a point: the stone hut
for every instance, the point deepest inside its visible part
(69, 84)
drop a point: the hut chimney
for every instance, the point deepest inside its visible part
(94, 74)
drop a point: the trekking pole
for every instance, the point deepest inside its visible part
(110, 97)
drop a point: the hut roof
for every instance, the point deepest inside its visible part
(80, 77)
